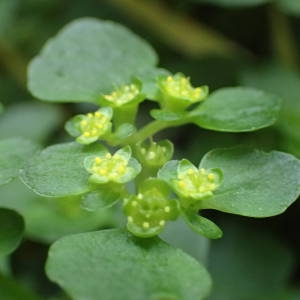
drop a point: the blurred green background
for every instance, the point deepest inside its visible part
(216, 42)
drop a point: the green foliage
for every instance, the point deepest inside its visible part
(8, 11)
(13, 154)
(272, 175)
(58, 170)
(86, 59)
(48, 219)
(131, 268)
(12, 290)
(286, 84)
(289, 6)
(38, 121)
(237, 109)
(11, 230)
(118, 156)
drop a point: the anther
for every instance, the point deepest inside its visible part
(167, 209)
(162, 222)
(181, 184)
(146, 225)
(211, 176)
(103, 172)
(98, 160)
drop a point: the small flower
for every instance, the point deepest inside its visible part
(119, 168)
(177, 93)
(149, 210)
(191, 184)
(195, 183)
(90, 127)
(155, 154)
(124, 95)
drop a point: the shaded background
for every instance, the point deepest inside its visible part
(216, 42)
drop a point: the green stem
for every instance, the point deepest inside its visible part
(125, 114)
(283, 39)
(149, 130)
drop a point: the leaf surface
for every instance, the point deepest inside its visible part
(87, 58)
(113, 265)
(255, 183)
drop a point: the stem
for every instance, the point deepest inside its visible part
(284, 43)
(151, 129)
(125, 114)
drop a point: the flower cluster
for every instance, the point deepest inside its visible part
(177, 93)
(190, 183)
(196, 183)
(148, 211)
(90, 127)
(119, 168)
(155, 154)
(151, 207)
(124, 95)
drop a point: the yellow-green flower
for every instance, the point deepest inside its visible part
(90, 127)
(190, 183)
(119, 168)
(196, 183)
(149, 210)
(124, 95)
(154, 154)
(176, 92)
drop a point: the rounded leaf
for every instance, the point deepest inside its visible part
(11, 230)
(58, 170)
(87, 58)
(13, 154)
(237, 109)
(113, 265)
(255, 183)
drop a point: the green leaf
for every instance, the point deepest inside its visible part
(234, 3)
(34, 121)
(237, 109)
(202, 225)
(8, 12)
(58, 170)
(255, 183)
(113, 265)
(105, 196)
(289, 6)
(11, 230)
(286, 84)
(13, 290)
(87, 58)
(248, 261)
(13, 154)
(48, 219)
